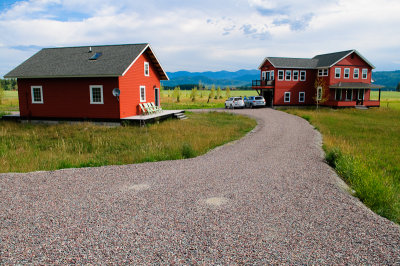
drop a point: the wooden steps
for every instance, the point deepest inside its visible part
(180, 116)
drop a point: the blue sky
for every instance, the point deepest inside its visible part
(207, 35)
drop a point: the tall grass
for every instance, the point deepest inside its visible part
(27, 147)
(364, 148)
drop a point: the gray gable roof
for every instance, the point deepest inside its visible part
(114, 60)
(318, 61)
(327, 60)
(285, 62)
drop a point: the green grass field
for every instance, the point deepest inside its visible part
(27, 147)
(389, 99)
(168, 102)
(9, 101)
(364, 148)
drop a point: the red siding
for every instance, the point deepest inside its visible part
(352, 63)
(295, 87)
(130, 83)
(68, 98)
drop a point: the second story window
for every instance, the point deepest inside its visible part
(322, 72)
(346, 73)
(364, 73)
(288, 75)
(356, 73)
(295, 75)
(280, 74)
(146, 69)
(302, 75)
(337, 73)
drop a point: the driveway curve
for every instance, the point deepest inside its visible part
(266, 198)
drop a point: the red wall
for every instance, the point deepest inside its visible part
(68, 98)
(352, 63)
(130, 83)
(294, 87)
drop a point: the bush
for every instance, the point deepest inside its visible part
(332, 156)
(188, 151)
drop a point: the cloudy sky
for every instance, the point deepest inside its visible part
(202, 35)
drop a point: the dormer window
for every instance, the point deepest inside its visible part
(146, 69)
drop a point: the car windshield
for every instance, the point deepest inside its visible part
(238, 99)
(259, 98)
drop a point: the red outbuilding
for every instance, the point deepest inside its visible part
(341, 79)
(90, 82)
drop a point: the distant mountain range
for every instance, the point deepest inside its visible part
(243, 77)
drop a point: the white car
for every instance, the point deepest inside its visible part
(234, 102)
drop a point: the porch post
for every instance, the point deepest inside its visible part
(379, 95)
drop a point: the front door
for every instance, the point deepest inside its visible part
(157, 96)
(360, 97)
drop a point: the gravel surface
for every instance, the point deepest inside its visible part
(267, 198)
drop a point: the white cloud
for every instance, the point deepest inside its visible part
(206, 35)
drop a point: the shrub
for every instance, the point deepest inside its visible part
(188, 151)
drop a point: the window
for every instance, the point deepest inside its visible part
(319, 93)
(295, 75)
(356, 73)
(346, 74)
(96, 94)
(287, 97)
(280, 74)
(360, 95)
(142, 93)
(37, 94)
(146, 69)
(302, 75)
(263, 75)
(272, 75)
(288, 75)
(349, 95)
(337, 73)
(364, 73)
(322, 72)
(302, 96)
(338, 95)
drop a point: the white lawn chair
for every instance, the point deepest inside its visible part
(144, 110)
(149, 108)
(157, 108)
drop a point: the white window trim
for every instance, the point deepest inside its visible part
(340, 72)
(296, 71)
(284, 97)
(303, 79)
(283, 74)
(41, 94)
(142, 100)
(344, 73)
(358, 73)
(148, 69)
(323, 72)
(366, 73)
(319, 93)
(91, 94)
(288, 71)
(304, 96)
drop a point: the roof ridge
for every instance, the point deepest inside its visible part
(344, 51)
(84, 46)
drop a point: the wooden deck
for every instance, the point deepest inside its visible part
(163, 114)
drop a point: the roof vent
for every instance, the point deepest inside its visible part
(95, 56)
(90, 49)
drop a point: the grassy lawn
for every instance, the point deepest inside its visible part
(9, 102)
(364, 148)
(27, 147)
(389, 99)
(168, 102)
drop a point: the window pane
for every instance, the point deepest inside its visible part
(96, 95)
(288, 74)
(37, 96)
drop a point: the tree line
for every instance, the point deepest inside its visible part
(8, 84)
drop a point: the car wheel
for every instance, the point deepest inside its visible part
(251, 106)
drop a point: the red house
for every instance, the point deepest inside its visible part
(341, 79)
(78, 82)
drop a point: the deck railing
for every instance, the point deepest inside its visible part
(261, 83)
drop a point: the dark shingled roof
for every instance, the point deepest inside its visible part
(284, 62)
(319, 61)
(327, 60)
(75, 62)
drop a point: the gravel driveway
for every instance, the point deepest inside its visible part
(267, 198)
